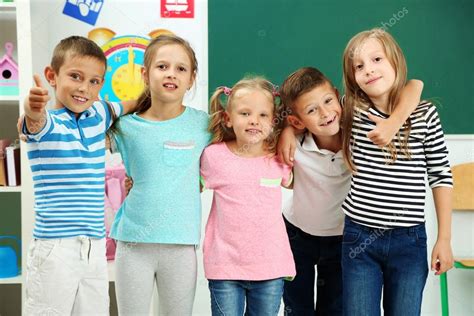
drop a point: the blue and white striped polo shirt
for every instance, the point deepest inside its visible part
(67, 159)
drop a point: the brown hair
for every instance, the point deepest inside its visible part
(76, 46)
(356, 98)
(144, 100)
(220, 132)
(298, 83)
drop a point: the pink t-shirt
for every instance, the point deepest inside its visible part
(245, 234)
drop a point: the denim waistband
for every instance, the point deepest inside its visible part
(396, 230)
(305, 234)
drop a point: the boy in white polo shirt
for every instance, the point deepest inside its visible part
(314, 220)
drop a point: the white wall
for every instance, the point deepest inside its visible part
(460, 282)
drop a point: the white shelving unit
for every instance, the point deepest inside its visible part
(15, 26)
(9, 99)
(10, 189)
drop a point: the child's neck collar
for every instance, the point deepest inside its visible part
(247, 150)
(163, 112)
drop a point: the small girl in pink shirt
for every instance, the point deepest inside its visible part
(246, 249)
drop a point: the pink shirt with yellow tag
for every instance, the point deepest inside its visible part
(245, 234)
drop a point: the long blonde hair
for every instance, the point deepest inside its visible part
(356, 98)
(220, 132)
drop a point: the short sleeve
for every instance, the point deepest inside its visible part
(207, 180)
(47, 128)
(111, 111)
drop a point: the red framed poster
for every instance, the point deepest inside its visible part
(177, 8)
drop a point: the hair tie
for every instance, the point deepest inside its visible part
(227, 90)
(275, 92)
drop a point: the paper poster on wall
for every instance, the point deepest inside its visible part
(84, 10)
(177, 8)
(123, 80)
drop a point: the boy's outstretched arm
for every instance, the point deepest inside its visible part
(442, 255)
(386, 129)
(129, 106)
(35, 106)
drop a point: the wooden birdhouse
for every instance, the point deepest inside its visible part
(8, 72)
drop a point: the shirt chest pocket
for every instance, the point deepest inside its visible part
(178, 154)
(269, 190)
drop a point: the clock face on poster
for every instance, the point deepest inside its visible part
(125, 54)
(123, 80)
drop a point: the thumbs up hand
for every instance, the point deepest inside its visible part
(39, 96)
(384, 131)
(34, 105)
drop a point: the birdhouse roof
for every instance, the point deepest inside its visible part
(9, 60)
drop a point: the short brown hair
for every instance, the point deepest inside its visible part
(76, 46)
(299, 82)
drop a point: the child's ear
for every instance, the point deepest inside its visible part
(227, 121)
(337, 94)
(191, 82)
(50, 76)
(295, 121)
(145, 76)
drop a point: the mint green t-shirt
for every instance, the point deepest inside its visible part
(162, 158)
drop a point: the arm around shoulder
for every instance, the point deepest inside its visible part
(386, 129)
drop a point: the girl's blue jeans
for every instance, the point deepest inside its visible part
(389, 261)
(255, 298)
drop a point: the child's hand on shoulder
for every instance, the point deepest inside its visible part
(442, 257)
(384, 131)
(287, 145)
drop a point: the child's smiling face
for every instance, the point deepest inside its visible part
(318, 110)
(374, 73)
(250, 116)
(77, 83)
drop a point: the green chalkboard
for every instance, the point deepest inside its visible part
(275, 37)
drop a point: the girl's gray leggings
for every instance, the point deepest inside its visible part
(139, 265)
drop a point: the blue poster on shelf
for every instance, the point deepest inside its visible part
(83, 10)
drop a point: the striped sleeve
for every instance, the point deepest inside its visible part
(106, 108)
(47, 128)
(437, 163)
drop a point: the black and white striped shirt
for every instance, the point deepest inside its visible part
(392, 195)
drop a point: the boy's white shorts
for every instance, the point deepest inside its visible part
(67, 276)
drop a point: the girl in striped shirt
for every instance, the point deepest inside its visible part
(384, 241)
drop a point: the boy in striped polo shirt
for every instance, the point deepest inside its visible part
(67, 266)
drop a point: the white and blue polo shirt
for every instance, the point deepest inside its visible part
(67, 159)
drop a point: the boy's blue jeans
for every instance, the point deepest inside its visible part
(390, 260)
(256, 298)
(324, 253)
